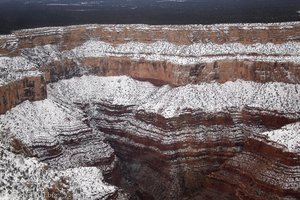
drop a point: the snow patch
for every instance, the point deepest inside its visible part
(16, 68)
(27, 178)
(189, 54)
(40, 121)
(288, 136)
(170, 102)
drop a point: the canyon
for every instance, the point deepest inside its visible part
(151, 112)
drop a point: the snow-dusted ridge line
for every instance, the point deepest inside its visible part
(205, 97)
(169, 102)
(15, 68)
(38, 121)
(288, 136)
(46, 114)
(166, 27)
(27, 64)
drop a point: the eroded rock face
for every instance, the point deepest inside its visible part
(176, 55)
(27, 178)
(173, 143)
(180, 142)
(204, 112)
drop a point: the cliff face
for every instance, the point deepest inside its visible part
(217, 118)
(176, 55)
(174, 149)
(73, 36)
(28, 88)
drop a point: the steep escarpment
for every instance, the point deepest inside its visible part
(175, 55)
(70, 157)
(179, 143)
(28, 88)
(204, 112)
(193, 141)
(72, 36)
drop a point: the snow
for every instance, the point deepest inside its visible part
(217, 97)
(42, 122)
(41, 55)
(49, 124)
(288, 136)
(16, 68)
(89, 182)
(58, 31)
(114, 27)
(170, 102)
(31, 59)
(278, 96)
(15, 63)
(39, 121)
(118, 90)
(27, 178)
(21, 177)
(45, 120)
(27, 64)
(189, 54)
(9, 42)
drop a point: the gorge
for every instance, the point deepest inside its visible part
(151, 112)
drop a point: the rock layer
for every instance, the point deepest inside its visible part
(172, 146)
(193, 151)
(225, 127)
(176, 55)
(26, 178)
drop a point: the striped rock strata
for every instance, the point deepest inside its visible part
(175, 55)
(218, 119)
(195, 141)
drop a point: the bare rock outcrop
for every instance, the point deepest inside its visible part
(162, 112)
(176, 55)
(185, 142)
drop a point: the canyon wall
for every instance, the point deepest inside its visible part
(214, 149)
(28, 88)
(203, 112)
(73, 36)
(180, 54)
(163, 72)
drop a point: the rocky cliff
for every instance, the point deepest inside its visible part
(176, 55)
(203, 112)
